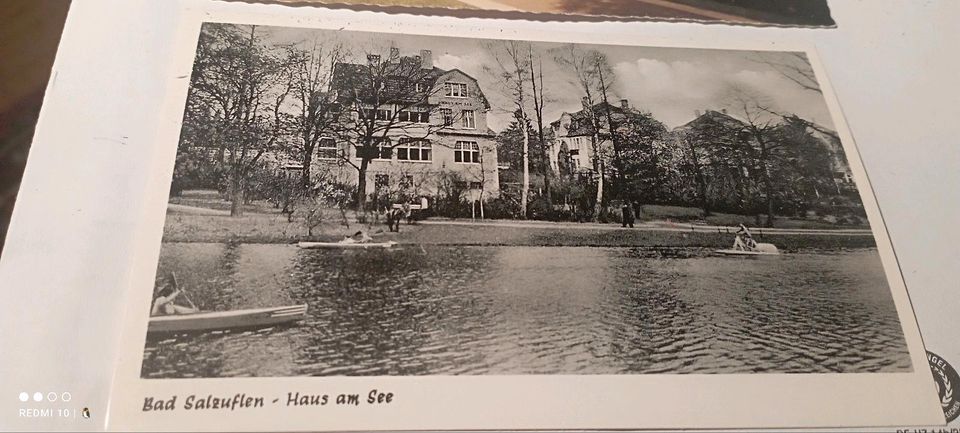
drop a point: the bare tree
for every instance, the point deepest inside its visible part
(240, 91)
(604, 80)
(536, 82)
(311, 71)
(793, 66)
(512, 68)
(587, 76)
(796, 67)
(379, 100)
(758, 136)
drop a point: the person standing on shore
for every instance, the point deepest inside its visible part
(627, 215)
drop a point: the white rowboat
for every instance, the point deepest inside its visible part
(258, 317)
(338, 245)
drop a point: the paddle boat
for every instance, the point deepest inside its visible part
(761, 249)
(744, 245)
(219, 320)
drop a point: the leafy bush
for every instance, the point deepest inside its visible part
(501, 208)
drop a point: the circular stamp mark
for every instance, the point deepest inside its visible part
(947, 381)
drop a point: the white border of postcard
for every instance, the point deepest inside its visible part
(502, 402)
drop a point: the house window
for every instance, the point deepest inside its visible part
(327, 148)
(414, 115)
(378, 114)
(476, 185)
(575, 152)
(469, 120)
(381, 149)
(467, 152)
(413, 149)
(421, 87)
(455, 90)
(447, 116)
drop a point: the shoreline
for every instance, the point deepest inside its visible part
(196, 229)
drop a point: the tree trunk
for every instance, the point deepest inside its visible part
(524, 194)
(362, 187)
(305, 180)
(704, 201)
(547, 172)
(767, 184)
(236, 196)
(614, 140)
(700, 179)
(599, 204)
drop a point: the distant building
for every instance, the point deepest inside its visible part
(446, 133)
(842, 175)
(572, 147)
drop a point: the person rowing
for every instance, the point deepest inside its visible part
(165, 303)
(744, 240)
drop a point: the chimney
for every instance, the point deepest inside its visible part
(697, 113)
(373, 59)
(625, 104)
(394, 54)
(426, 59)
(585, 101)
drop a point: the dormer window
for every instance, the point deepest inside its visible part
(455, 90)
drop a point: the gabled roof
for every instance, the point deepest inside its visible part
(483, 97)
(712, 117)
(348, 77)
(580, 124)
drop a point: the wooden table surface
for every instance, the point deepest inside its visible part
(30, 32)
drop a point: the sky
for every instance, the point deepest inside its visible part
(670, 83)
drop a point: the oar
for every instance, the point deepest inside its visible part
(184, 291)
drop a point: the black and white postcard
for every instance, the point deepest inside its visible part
(472, 229)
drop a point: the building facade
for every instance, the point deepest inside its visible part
(576, 139)
(434, 135)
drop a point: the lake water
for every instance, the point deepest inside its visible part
(532, 310)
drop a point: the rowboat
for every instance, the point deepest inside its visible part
(346, 245)
(252, 318)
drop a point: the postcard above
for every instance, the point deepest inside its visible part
(782, 13)
(358, 224)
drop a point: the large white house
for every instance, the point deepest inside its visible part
(445, 133)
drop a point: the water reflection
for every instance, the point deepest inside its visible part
(533, 310)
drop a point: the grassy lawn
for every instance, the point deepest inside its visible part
(490, 235)
(266, 228)
(213, 202)
(691, 214)
(263, 223)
